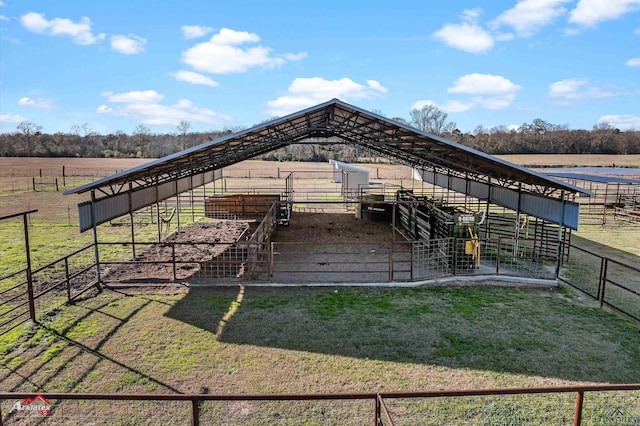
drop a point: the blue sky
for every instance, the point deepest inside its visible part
(118, 64)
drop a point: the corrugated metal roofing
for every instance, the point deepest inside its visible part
(328, 121)
(593, 178)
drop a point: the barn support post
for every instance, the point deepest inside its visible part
(560, 228)
(133, 238)
(96, 248)
(193, 217)
(486, 222)
(517, 232)
(604, 204)
(177, 204)
(158, 215)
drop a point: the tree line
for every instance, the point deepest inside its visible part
(537, 137)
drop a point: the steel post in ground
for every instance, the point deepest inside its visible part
(195, 412)
(32, 304)
(577, 418)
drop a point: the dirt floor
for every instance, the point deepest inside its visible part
(315, 247)
(215, 236)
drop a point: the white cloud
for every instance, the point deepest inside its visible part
(223, 54)
(633, 62)
(3, 18)
(294, 56)
(195, 31)
(483, 84)
(468, 37)
(528, 16)
(34, 103)
(144, 107)
(576, 88)
(449, 107)
(306, 92)
(137, 96)
(637, 31)
(622, 122)
(194, 78)
(80, 31)
(591, 12)
(488, 91)
(12, 118)
(128, 45)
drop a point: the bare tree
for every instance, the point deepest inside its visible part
(431, 119)
(183, 129)
(142, 136)
(29, 130)
(83, 130)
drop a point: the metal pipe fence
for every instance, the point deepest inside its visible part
(46, 288)
(613, 283)
(588, 404)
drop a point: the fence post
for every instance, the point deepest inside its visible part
(600, 278)
(498, 258)
(455, 255)
(195, 412)
(391, 260)
(376, 411)
(33, 183)
(577, 417)
(32, 304)
(66, 277)
(604, 281)
(173, 259)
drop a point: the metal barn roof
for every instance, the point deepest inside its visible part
(332, 121)
(593, 178)
(327, 123)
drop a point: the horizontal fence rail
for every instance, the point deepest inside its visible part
(593, 404)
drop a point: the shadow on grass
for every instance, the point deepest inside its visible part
(540, 332)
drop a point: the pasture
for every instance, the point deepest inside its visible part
(247, 340)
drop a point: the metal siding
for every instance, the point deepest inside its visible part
(84, 216)
(504, 197)
(184, 184)
(166, 190)
(143, 198)
(117, 205)
(544, 208)
(479, 190)
(198, 180)
(571, 214)
(442, 180)
(459, 184)
(551, 209)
